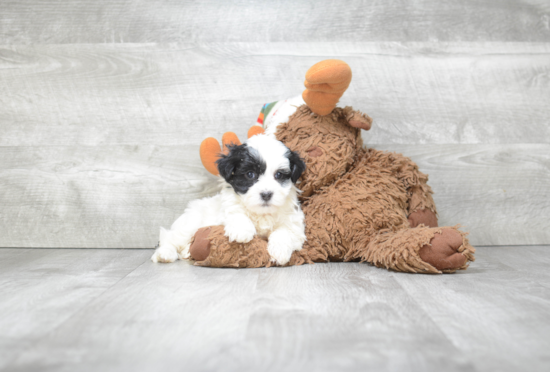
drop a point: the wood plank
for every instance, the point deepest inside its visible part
(96, 197)
(496, 299)
(40, 289)
(179, 94)
(91, 310)
(341, 317)
(231, 320)
(161, 316)
(118, 196)
(123, 21)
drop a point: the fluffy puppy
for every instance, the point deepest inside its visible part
(258, 197)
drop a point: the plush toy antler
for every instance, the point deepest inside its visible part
(210, 149)
(325, 83)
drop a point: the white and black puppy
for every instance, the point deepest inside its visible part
(258, 198)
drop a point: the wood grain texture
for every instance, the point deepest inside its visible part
(91, 310)
(138, 21)
(103, 196)
(118, 196)
(40, 289)
(515, 284)
(180, 94)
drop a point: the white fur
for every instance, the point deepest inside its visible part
(281, 112)
(244, 216)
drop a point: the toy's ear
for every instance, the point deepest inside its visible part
(359, 120)
(297, 166)
(325, 83)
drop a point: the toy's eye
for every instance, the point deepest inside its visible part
(251, 175)
(278, 175)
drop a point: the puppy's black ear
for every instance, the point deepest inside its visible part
(228, 163)
(297, 166)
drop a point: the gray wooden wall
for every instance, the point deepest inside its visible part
(103, 105)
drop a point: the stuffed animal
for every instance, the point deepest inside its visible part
(360, 204)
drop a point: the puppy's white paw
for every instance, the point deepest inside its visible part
(279, 252)
(240, 230)
(165, 254)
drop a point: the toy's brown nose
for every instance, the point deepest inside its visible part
(266, 195)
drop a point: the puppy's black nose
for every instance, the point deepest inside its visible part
(266, 195)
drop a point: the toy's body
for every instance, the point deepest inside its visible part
(360, 204)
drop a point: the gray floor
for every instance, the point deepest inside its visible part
(101, 310)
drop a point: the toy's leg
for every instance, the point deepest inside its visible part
(210, 247)
(418, 250)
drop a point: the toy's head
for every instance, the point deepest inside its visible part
(328, 144)
(327, 137)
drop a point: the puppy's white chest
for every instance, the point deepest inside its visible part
(264, 225)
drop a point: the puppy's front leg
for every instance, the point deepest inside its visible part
(282, 242)
(239, 228)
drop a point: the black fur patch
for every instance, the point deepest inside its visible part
(237, 167)
(297, 166)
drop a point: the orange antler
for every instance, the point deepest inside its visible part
(210, 148)
(325, 83)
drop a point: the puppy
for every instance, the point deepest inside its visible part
(258, 198)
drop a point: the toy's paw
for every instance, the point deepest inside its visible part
(165, 254)
(445, 251)
(423, 216)
(240, 230)
(200, 248)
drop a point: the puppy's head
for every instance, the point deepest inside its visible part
(262, 172)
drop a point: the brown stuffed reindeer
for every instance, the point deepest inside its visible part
(360, 204)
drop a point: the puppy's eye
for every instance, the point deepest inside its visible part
(251, 175)
(278, 175)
